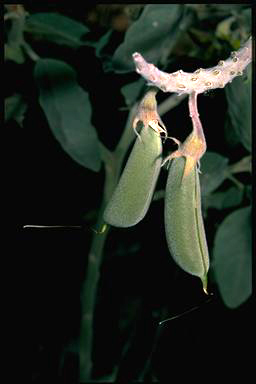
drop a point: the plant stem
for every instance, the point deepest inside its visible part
(30, 52)
(200, 80)
(88, 299)
(113, 164)
(193, 111)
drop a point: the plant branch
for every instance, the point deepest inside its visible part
(243, 165)
(30, 52)
(202, 79)
(235, 181)
(193, 112)
(113, 164)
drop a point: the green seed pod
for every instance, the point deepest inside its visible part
(132, 196)
(183, 221)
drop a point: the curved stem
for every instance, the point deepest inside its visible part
(113, 163)
(193, 112)
(200, 80)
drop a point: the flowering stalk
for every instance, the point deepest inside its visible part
(194, 146)
(202, 79)
(194, 83)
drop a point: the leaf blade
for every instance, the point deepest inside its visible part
(239, 97)
(57, 28)
(213, 171)
(68, 111)
(153, 35)
(232, 257)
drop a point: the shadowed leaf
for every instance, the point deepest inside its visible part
(213, 171)
(223, 200)
(56, 28)
(15, 108)
(131, 91)
(153, 35)
(232, 257)
(239, 97)
(68, 110)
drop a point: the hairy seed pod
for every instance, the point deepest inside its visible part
(183, 221)
(132, 196)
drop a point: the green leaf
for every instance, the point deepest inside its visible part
(131, 91)
(15, 108)
(68, 110)
(213, 171)
(232, 257)
(232, 197)
(248, 192)
(231, 136)
(153, 35)
(56, 28)
(239, 97)
(102, 42)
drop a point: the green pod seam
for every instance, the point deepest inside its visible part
(184, 225)
(132, 196)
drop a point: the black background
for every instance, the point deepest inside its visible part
(47, 187)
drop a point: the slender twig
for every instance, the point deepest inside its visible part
(237, 183)
(193, 112)
(113, 163)
(30, 52)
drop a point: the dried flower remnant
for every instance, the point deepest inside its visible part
(148, 115)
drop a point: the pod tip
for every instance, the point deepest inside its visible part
(204, 282)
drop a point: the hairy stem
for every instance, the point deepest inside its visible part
(113, 163)
(200, 80)
(197, 125)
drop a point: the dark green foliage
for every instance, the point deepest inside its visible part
(56, 28)
(131, 91)
(68, 110)
(232, 257)
(239, 96)
(230, 198)
(153, 35)
(51, 183)
(213, 168)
